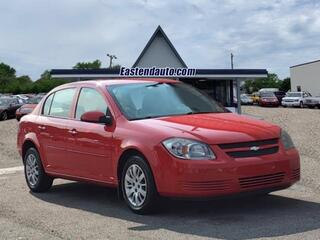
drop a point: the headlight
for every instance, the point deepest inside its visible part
(286, 140)
(188, 149)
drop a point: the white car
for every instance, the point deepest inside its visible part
(312, 102)
(295, 99)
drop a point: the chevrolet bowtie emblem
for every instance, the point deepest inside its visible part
(254, 148)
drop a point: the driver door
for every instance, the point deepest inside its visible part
(91, 151)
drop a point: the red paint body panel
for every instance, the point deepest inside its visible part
(84, 151)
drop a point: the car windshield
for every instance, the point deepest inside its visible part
(294, 94)
(151, 100)
(34, 100)
(267, 94)
(4, 101)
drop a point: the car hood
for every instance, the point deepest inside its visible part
(214, 128)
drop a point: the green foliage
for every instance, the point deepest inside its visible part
(88, 65)
(272, 81)
(285, 85)
(9, 83)
(7, 71)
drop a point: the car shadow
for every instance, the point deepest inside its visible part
(236, 218)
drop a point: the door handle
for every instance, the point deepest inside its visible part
(42, 128)
(73, 131)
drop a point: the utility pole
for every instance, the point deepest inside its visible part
(231, 60)
(111, 58)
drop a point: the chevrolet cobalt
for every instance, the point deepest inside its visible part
(151, 138)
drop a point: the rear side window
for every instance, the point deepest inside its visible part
(90, 100)
(61, 103)
(47, 105)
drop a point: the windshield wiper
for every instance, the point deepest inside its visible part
(140, 118)
(191, 113)
(154, 85)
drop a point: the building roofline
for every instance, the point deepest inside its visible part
(200, 73)
(302, 64)
(159, 30)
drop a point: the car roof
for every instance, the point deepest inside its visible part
(109, 82)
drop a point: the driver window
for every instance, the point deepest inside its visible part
(90, 100)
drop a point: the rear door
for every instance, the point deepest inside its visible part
(91, 151)
(53, 126)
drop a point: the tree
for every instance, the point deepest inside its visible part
(285, 85)
(7, 71)
(272, 81)
(88, 65)
(45, 83)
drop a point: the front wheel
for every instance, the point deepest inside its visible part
(4, 116)
(301, 105)
(137, 184)
(37, 179)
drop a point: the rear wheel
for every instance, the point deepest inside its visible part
(137, 185)
(37, 179)
(4, 116)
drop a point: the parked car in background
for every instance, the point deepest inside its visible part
(8, 107)
(279, 95)
(21, 98)
(295, 99)
(246, 100)
(27, 108)
(268, 90)
(268, 99)
(312, 102)
(255, 97)
(184, 144)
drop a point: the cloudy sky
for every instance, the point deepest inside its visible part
(272, 34)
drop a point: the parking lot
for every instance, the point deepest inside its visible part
(81, 211)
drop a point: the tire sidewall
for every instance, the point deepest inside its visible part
(151, 188)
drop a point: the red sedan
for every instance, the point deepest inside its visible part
(268, 99)
(28, 107)
(151, 137)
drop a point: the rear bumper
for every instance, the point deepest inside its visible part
(271, 104)
(198, 179)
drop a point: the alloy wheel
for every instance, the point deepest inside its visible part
(135, 185)
(32, 169)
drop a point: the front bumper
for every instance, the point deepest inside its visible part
(226, 176)
(291, 104)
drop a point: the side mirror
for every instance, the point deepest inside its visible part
(96, 117)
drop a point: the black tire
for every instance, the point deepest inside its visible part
(151, 192)
(43, 182)
(4, 116)
(301, 105)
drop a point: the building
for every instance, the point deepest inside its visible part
(306, 77)
(222, 84)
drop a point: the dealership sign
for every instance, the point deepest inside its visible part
(157, 72)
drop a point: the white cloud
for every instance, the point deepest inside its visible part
(273, 34)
